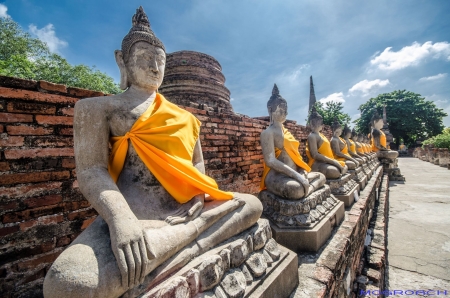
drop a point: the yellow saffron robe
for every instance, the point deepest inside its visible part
(382, 142)
(352, 146)
(290, 144)
(324, 149)
(164, 137)
(343, 151)
(360, 149)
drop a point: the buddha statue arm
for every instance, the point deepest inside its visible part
(91, 137)
(312, 146)
(268, 149)
(337, 151)
(354, 155)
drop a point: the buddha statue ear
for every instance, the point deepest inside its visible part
(123, 70)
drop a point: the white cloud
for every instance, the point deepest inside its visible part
(47, 35)
(433, 78)
(3, 10)
(411, 55)
(336, 97)
(292, 75)
(366, 86)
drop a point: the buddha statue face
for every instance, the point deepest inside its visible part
(337, 128)
(280, 114)
(347, 132)
(378, 124)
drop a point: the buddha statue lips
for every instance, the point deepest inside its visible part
(152, 195)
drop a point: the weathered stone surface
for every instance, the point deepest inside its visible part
(226, 259)
(247, 274)
(239, 253)
(193, 280)
(234, 283)
(177, 288)
(210, 272)
(256, 263)
(272, 249)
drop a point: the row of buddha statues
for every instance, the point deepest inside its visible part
(139, 163)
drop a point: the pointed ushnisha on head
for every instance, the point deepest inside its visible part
(275, 100)
(314, 118)
(354, 133)
(140, 31)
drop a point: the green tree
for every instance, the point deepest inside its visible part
(26, 57)
(441, 140)
(409, 115)
(332, 110)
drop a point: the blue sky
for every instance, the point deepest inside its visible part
(353, 49)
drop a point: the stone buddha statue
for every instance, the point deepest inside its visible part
(347, 133)
(285, 173)
(340, 147)
(379, 144)
(152, 196)
(358, 147)
(318, 150)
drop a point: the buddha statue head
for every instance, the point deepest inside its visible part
(354, 135)
(336, 128)
(142, 58)
(347, 132)
(376, 121)
(315, 120)
(277, 106)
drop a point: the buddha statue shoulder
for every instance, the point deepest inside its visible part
(340, 147)
(151, 193)
(379, 144)
(285, 173)
(318, 150)
(358, 147)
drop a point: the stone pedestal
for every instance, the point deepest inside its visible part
(360, 177)
(390, 167)
(250, 264)
(302, 225)
(344, 188)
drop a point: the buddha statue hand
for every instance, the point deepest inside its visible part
(304, 182)
(128, 246)
(187, 211)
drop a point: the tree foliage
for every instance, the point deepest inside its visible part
(26, 57)
(409, 115)
(441, 140)
(332, 110)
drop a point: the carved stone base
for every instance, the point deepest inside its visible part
(298, 239)
(349, 198)
(250, 264)
(391, 168)
(342, 186)
(302, 224)
(360, 177)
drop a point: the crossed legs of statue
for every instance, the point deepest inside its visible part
(387, 154)
(286, 187)
(88, 268)
(330, 171)
(350, 164)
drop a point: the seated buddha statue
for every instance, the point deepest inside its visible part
(318, 150)
(347, 133)
(340, 147)
(151, 192)
(379, 144)
(358, 147)
(285, 173)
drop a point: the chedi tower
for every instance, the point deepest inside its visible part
(195, 79)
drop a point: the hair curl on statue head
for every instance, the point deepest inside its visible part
(375, 118)
(314, 118)
(346, 130)
(336, 125)
(275, 100)
(140, 31)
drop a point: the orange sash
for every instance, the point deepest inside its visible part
(290, 144)
(325, 150)
(343, 151)
(164, 137)
(382, 142)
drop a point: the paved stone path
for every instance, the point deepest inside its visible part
(419, 228)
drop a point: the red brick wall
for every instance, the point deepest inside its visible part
(41, 208)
